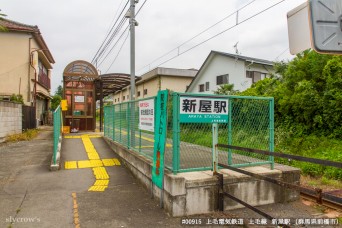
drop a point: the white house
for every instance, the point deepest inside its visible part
(224, 68)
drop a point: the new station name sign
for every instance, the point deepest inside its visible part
(203, 109)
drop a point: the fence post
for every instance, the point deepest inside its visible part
(214, 150)
(230, 132)
(120, 117)
(128, 121)
(105, 121)
(175, 133)
(271, 125)
(113, 126)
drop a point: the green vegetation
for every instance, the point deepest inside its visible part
(2, 28)
(308, 109)
(17, 98)
(25, 136)
(56, 99)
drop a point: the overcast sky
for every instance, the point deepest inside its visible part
(74, 30)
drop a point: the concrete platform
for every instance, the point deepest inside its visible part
(196, 192)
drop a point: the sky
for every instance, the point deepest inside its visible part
(75, 29)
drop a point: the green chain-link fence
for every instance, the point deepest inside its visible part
(250, 124)
(189, 145)
(119, 126)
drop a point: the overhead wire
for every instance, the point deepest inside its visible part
(110, 40)
(123, 43)
(114, 46)
(110, 31)
(247, 19)
(119, 40)
(197, 35)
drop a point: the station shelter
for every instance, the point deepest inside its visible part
(79, 90)
(82, 88)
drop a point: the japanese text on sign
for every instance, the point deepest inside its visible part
(203, 110)
(146, 115)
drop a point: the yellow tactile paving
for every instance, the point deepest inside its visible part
(101, 183)
(108, 162)
(93, 156)
(97, 188)
(94, 162)
(116, 161)
(84, 164)
(100, 173)
(70, 165)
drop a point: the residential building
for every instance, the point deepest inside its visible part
(157, 79)
(223, 68)
(25, 66)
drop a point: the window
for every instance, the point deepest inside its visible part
(201, 88)
(207, 86)
(119, 99)
(255, 76)
(222, 79)
(138, 94)
(145, 91)
(123, 98)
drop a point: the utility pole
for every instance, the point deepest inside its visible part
(132, 23)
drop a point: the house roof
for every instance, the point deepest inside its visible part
(14, 26)
(163, 71)
(233, 56)
(245, 58)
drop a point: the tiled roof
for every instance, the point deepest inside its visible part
(16, 26)
(249, 59)
(13, 26)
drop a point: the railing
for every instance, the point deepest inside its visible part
(189, 145)
(250, 123)
(119, 127)
(57, 125)
(44, 80)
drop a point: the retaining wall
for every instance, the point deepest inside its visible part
(10, 119)
(197, 192)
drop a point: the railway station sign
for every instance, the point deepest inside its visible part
(203, 109)
(146, 115)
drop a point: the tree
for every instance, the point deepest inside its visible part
(59, 91)
(225, 89)
(56, 100)
(2, 28)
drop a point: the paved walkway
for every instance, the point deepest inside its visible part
(92, 194)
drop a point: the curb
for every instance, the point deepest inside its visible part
(55, 167)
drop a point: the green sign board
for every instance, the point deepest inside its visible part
(203, 109)
(159, 138)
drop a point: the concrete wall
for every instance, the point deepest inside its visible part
(196, 192)
(176, 84)
(153, 85)
(10, 119)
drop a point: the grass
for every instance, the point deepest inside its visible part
(25, 136)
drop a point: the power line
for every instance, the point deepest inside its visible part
(276, 58)
(205, 30)
(104, 58)
(114, 45)
(111, 29)
(247, 19)
(140, 8)
(118, 52)
(110, 40)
